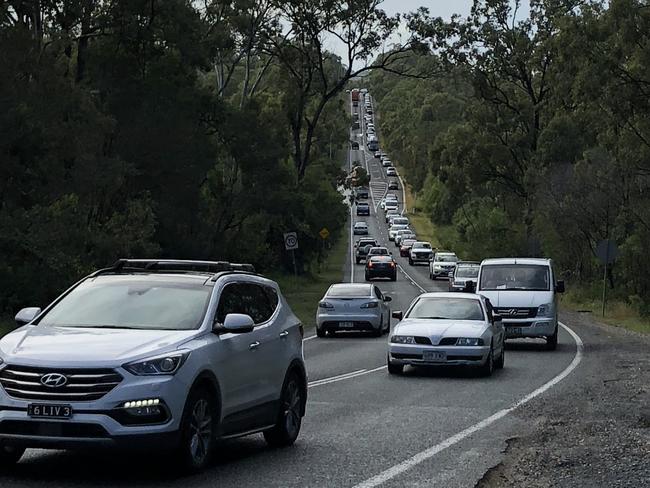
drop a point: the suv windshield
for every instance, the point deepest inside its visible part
(446, 308)
(129, 302)
(515, 277)
(446, 259)
(467, 272)
(421, 245)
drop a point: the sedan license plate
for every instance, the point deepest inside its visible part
(434, 356)
(49, 411)
(346, 325)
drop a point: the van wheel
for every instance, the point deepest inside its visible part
(10, 455)
(551, 341)
(287, 427)
(197, 431)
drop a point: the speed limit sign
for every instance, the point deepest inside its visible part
(290, 241)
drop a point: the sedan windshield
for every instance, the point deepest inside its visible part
(446, 308)
(515, 277)
(132, 303)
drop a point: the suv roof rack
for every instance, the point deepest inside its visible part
(176, 265)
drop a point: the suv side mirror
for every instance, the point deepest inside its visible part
(559, 287)
(398, 314)
(238, 323)
(26, 315)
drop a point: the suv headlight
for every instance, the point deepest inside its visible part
(402, 339)
(165, 364)
(546, 310)
(469, 341)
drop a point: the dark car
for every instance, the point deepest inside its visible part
(362, 193)
(393, 185)
(363, 208)
(405, 247)
(355, 145)
(362, 247)
(381, 267)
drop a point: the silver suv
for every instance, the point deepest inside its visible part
(151, 354)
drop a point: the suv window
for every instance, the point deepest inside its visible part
(246, 298)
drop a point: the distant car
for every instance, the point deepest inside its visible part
(393, 185)
(360, 228)
(390, 214)
(363, 208)
(353, 306)
(442, 264)
(399, 220)
(421, 252)
(390, 205)
(390, 171)
(362, 247)
(386, 163)
(355, 145)
(377, 154)
(403, 234)
(405, 247)
(362, 193)
(378, 251)
(465, 272)
(381, 267)
(392, 232)
(448, 329)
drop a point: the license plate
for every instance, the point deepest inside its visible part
(515, 331)
(434, 356)
(49, 411)
(346, 325)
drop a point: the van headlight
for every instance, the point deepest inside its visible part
(546, 310)
(165, 364)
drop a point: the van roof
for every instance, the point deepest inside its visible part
(539, 261)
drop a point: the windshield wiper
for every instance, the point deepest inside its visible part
(437, 318)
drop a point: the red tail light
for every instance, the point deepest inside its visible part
(392, 265)
(370, 264)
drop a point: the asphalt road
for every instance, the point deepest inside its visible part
(362, 425)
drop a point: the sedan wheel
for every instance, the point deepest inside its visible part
(395, 368)
(488, 367)
(10, 455)
(502, 358)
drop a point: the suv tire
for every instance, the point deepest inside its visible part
(10, 455)
(287, 427)
(410, 261)
(197, 431)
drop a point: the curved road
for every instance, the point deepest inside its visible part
(363, 427)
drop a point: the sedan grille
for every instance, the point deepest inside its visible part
(80, 384)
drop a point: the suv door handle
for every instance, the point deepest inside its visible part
(284, 334)
(253, 345)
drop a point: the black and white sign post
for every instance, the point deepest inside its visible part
(291, 244)
(606, 252)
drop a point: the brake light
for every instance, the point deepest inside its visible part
(370, 305)
(325, 305)
(392, 265)
(370, 264)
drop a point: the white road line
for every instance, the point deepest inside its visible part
(411, 279)
(427, 454)
(309, 338)
(343, 377)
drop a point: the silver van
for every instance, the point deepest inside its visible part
(523, 291)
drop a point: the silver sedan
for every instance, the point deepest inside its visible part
(351, 306)
(447, 329)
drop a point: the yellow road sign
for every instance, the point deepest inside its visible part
(324, 233)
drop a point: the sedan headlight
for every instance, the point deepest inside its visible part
(397, 339)
(546, 310)
(166, 364)
(469, 341)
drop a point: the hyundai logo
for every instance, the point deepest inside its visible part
(54, 380)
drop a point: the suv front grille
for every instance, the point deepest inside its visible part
(82, 385)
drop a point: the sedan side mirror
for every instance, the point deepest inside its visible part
(398, 314)
(238, 323)
(388, 298)
(26, 315)
(497, 317)
(559, 287)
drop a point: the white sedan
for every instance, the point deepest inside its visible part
(455, 329)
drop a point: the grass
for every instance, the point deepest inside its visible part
(304, 292)
(617, 313)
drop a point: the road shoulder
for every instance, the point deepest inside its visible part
(593, 431)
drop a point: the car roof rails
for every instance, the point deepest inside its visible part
(175, 266)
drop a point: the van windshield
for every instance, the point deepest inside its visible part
(530, 277)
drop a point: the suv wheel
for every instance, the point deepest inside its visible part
(287, 428)
(10, 455)
(551, 341)
(197, 430)
(410, 261)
